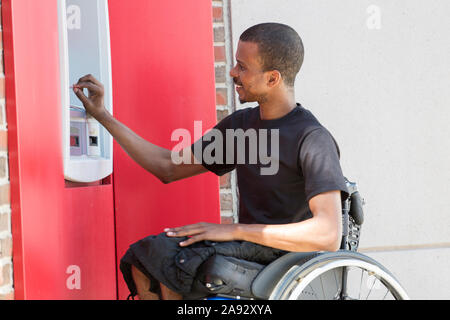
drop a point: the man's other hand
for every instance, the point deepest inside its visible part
(203, 231)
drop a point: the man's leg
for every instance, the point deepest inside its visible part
(143, 286)
(168, 294)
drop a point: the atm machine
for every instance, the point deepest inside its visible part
(84, 49)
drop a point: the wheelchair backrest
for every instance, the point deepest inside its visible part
(352, 217)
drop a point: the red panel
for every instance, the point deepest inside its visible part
(53, 227)
(163, 79)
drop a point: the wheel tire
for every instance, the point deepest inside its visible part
(327, 276)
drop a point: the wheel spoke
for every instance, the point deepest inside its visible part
(371, 288)
(360, 284)
(335, 280)
(387, 291)
(344, 278)
(314, 292)
(323, 291)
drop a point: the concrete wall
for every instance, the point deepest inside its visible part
(377, 75)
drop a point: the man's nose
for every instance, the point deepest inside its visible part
(233, 72)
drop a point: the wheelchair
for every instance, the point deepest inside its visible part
(341, 275)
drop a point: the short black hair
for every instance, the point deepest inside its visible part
(280, 48)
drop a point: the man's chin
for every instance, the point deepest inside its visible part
(243, 101)
(246, 100)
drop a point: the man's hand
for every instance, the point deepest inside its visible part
(94, 102)
(204, 231)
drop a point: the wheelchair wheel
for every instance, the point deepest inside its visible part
(340, 275)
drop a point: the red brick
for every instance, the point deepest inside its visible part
(3, 140)
(6, 247)
(225, 181)
(221, 96)
(226, 220)
(4, 223)
(219, 53)
(5, 273)
(4, 195)
(217, 14)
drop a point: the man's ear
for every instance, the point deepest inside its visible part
(274, 78)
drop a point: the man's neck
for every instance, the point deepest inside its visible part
(278, 107)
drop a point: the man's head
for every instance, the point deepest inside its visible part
(269, 56)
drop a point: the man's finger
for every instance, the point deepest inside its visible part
(191, 240)
(80, 94)
(90, 78)
(188, 230)
(90, 86)
(183, 232)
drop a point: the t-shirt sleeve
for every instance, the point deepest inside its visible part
(210, 150)
(319, 161)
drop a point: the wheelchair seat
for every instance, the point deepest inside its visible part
(226, 276)
(231, 277)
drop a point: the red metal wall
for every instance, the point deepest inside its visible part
(53, 227)
(163, 79)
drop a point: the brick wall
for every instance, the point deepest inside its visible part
(6, 269)
(223, 52)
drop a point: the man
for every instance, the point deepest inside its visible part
(297, 208)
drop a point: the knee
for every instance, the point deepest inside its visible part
(143, 285)
(138, 277)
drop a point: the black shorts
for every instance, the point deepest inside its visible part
(162, 260)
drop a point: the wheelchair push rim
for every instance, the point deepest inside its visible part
(339, 278)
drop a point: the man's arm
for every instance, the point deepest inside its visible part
(320, 233)
(154, 159)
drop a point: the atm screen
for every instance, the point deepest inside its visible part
(83, 41)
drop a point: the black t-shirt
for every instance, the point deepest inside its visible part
(274, 189)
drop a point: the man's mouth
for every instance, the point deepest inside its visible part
(238, 85)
